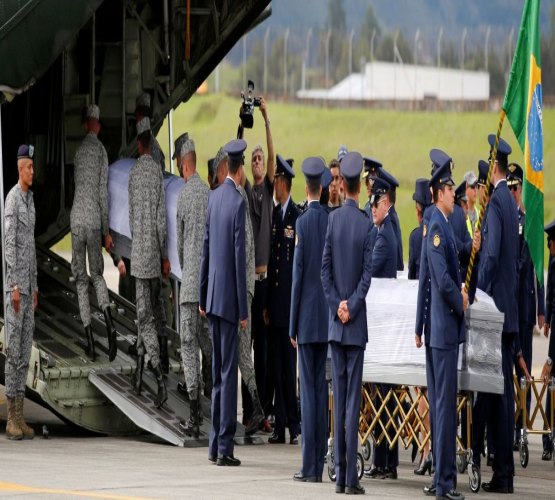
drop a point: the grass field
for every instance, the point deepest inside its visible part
(401, 140)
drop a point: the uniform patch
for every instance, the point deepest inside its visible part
(436, 240)
(425, 230)
(289, 232)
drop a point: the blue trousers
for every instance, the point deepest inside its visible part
(314, 406)
(347, 364)
(224, 393)
(430, 380)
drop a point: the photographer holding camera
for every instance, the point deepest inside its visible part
(260, 196)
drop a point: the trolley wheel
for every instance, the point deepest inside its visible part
(366, 451)
(474, 478)
(524, 455)
(331, 467)
(461, 463)
(360, 465)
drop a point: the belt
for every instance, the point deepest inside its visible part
(261, 276)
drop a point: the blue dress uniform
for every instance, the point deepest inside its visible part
(498, 276)
(394, 183)
(447, 332)
(223, 295)
(550, 320)
(347, 278)
(422, 196)
(309, 327)
(280, 274)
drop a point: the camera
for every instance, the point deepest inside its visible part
(249, 103)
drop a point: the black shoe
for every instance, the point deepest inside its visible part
(89, 350)
(132, 349)
(374, 472)
(111, 334)
(493, 487)
(451, 495)
(305, 479)
(355, 490)
(275, 439)
(212, 458)
(340, 488)
(390, 474)
(191, 426)
(137, 377)
(430, 491)
(228, 460)
(162, 395)
(425, 466)
(293, 439)
(182, 389)
(164, 357)
(546, 455)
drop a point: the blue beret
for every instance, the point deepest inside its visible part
(460, 192)
(235, 149)
(351, 165)
(25, 151)
(550, 230)
(503, 148)
(386, 176)
(313, 167)
(515, 174)
(283, 168)
(442, 176)
(341, 152)
(422, 193)
(326, 178)
(440, 158)
(483, 169)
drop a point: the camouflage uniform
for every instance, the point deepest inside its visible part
(191, 217)
(245, 345)
(89, 222)
(21, 270)
(147, 221)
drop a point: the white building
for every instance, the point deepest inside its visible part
(405, 82)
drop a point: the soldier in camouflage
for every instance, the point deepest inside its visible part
(191, 219)
(21, 293)
(89, 227)
(149, 259)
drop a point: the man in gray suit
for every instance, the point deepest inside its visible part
(149, 258)
(191, 217)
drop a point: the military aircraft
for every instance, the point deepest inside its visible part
(57, 57)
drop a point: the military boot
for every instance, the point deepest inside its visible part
(137, 378)
(164, 358)
(162, 395)
(257, 415)
(111, 333)
(191, 427)
(12, 429)
(27, 432)
(89, 350)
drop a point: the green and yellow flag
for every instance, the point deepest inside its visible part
(523, 107)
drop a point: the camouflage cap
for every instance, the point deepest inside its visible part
(143, 125)
(187, 147)
(178, 144)
(93, 111)
(143, 100)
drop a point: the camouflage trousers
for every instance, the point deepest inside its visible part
(194, 336)
(151, 318)
(20, 328)
(85, 241)
(245, 355)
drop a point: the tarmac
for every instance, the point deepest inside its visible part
(71, 463)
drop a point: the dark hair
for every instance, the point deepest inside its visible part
(234, 164)
(392, 195)
(334, 164)
(435, 192)
(145, 139)
(313, 186)
(325, 196)
(352, 185)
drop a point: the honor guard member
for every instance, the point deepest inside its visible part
(325, 196)
(308, 327)
(280, 274)
(346, 280)
(335, 186)
(89, 228)
(549, 321)
(178, 144)
(392, 194)
(149, 257)
(223, 299)
(460, 197)
(369, 173)
(531, 307)
(21, 295)
(384, 265)
(498, 276)
(143, 109)
(422, 199)
(447, 329)
(191, 218)
(472, 212)
(483, 168)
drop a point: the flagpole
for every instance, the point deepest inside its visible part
(493, 156)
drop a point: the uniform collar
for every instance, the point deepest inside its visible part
(499, 182)
(230, 181)
(350, 202)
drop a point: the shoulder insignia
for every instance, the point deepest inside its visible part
(425, 230)
(436, 240)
